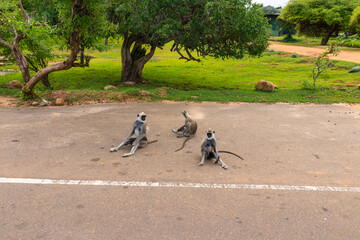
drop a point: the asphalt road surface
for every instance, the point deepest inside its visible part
(296, 159)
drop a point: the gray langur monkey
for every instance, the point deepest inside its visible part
(208, 149)
(141, 132)
(187, 130)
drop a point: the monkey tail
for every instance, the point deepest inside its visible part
(184, 143)
(231, 154)
(152, 141)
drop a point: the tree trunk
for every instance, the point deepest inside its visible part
(82, 55)
(326, 38)
(133, 61)
(45, 81)
(288, 36)
(106, 40)
(21, 62)
(74, 47)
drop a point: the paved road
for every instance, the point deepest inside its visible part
(292, 145)
(351, 56)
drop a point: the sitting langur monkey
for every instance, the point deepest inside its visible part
(208, 149)
(141, 132)
(187, 130)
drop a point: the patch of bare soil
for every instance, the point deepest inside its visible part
(351, 56)
(70, 98)
(90, 97)
(7, 101)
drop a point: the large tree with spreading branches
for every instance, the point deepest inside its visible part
(22, 29)
(217, 28)
(319, 18)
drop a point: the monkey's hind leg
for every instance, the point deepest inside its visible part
(125, 143)
(223, 165)
(135, 146)
(201, 163)
(143, 143)
(185, 133)
(133, 149)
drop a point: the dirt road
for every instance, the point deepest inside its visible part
(300, 178)
(351, 56)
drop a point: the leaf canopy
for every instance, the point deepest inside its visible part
(315, 18)
(220, 28)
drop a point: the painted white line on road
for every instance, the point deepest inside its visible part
(177, 185)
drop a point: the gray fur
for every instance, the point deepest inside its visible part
(208, 149)
(187, 130)
(141, 132)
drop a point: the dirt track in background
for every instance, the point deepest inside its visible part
(351, 56)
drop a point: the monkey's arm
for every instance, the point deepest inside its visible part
(217, 156)
(114, 149)
(181, 129)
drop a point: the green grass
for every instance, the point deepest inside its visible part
(210, 80)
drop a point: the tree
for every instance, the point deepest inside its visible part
(287, 28)
(75, 17)
(218, 28)
(323, 62)
(355, 19)
(319, 18)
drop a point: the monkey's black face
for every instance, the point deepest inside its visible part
(209, 135)
(143, 117)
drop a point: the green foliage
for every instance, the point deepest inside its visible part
(307, 85)
(92, 23)
(39, 25)
(323, 62)
(222, 28)
(355, 19)
(316, 18)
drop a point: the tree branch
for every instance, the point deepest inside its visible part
(148, 56)
(5, 43)
(190, 56)
(26, 16)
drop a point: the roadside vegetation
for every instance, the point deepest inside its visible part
(52, 44)
(169, 78)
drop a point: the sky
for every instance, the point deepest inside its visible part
(274, 3)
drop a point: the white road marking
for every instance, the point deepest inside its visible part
(178, 185)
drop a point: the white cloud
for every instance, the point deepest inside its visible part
(274, 3)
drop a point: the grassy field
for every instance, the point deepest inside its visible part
(210, 80)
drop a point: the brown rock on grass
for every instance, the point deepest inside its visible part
(15, 84)
(59, 102)
(108, 87)
(265, 86)
(144, 93)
